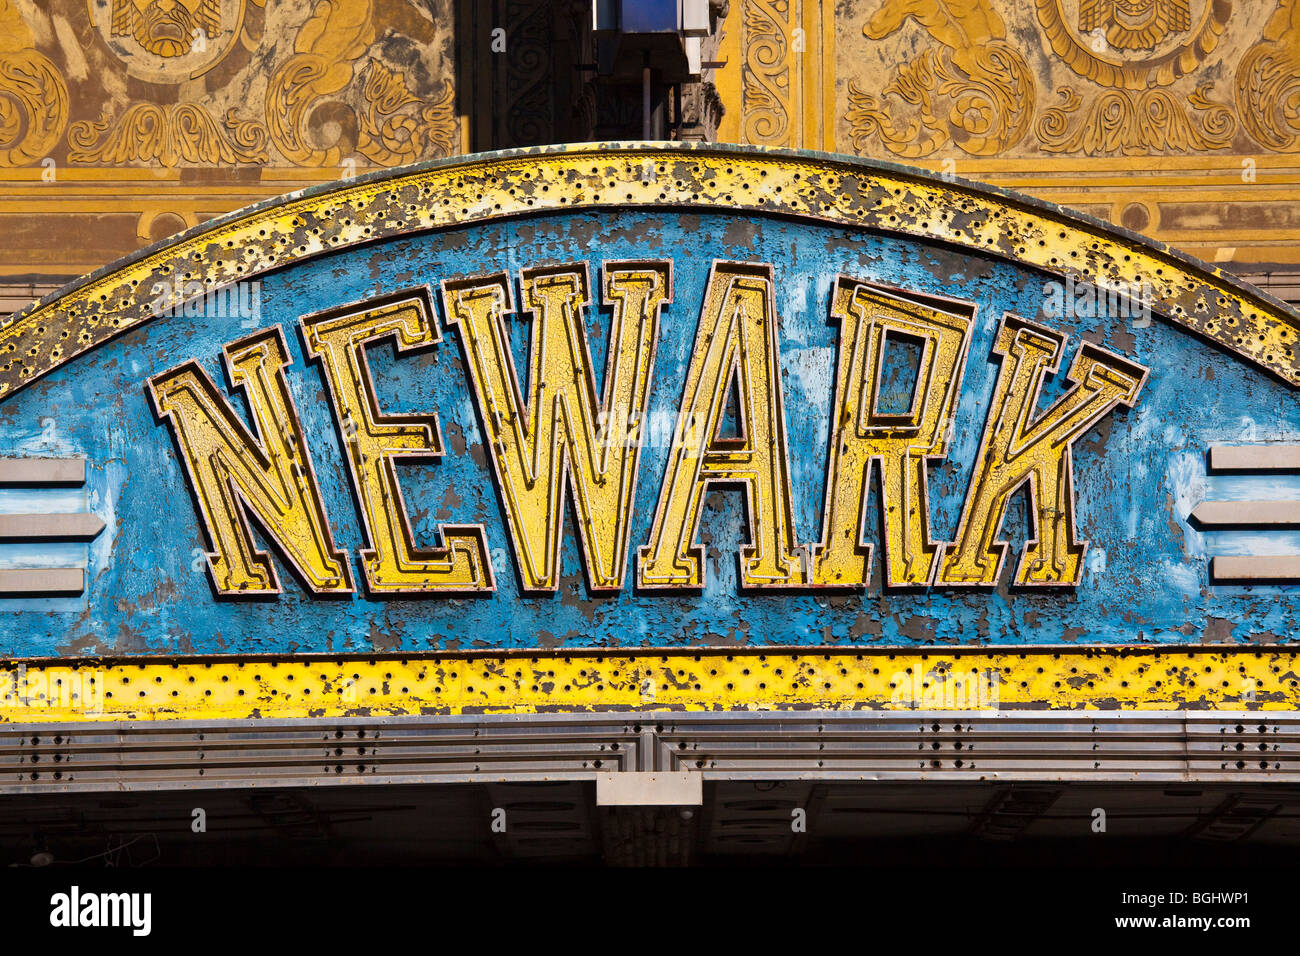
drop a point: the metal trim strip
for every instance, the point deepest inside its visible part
(922, 745)
(786, 679)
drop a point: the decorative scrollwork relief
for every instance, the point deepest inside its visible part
(393, 126)
(1268, 82)
(397, 127)
(767, 86)
(334, 36)
(1136, 49)
(1126, 121)
(184, 132)
(1133, 45)
(976, 91)
(33, 94)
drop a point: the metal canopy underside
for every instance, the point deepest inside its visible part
(816, 787)
(897, 823)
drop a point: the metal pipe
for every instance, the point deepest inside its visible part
(645, 98)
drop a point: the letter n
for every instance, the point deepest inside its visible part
(236, 474)
(1019, 449)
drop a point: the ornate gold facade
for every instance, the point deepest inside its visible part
(124, 121)
(1179, 119)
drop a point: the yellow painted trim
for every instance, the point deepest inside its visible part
(826, 57)
(1146, 165)
(1246, 253)
(116, 175)
(739, 182)
(728, 77)
(816, 71)
(1138, 679)
(1188, 189)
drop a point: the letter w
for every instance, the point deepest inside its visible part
(559, 437)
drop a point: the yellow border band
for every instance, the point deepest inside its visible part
(739, 181)
(707, 680)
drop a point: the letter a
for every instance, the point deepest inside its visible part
(736, 340)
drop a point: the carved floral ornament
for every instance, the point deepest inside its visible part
(168, 40)
(973, 88)
(330, 98)
(33, 94)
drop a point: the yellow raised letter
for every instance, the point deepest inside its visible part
(562, 436)
(233, 475)
(373, 441)
(1018, 448)
(736, 339)
(900, 445)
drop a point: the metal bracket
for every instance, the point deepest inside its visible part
(682, 788)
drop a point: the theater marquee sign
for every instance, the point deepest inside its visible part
(620, 427)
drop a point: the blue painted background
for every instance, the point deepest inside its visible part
(1137, 475)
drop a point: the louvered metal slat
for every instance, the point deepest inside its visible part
(971, 746)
